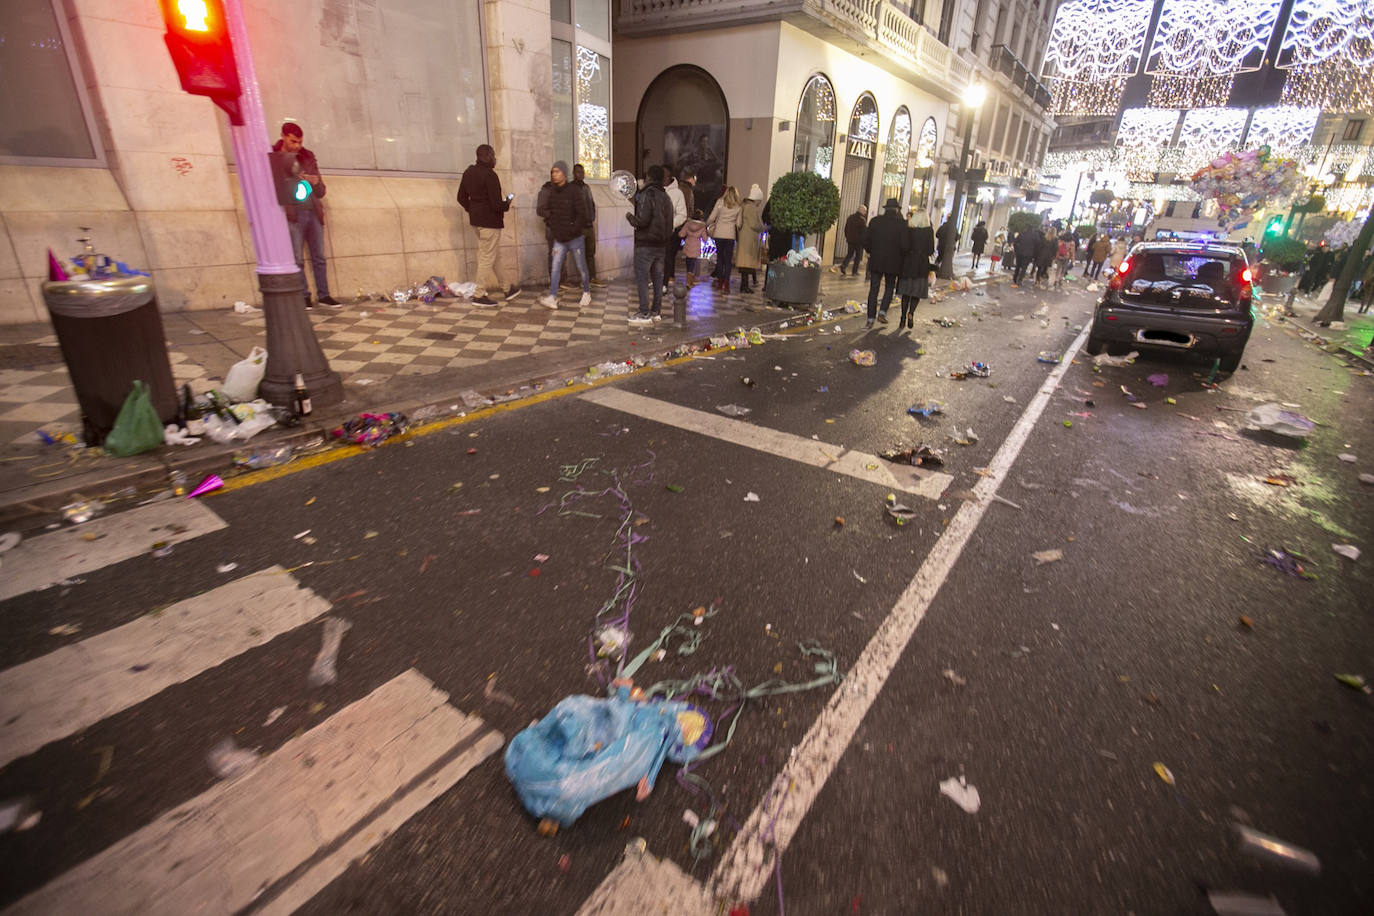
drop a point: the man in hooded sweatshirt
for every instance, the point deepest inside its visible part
(653, 221)
(479, 194)
(564, 209)
(886, 243)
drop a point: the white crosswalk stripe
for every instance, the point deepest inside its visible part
(270, 839)
(51, 558)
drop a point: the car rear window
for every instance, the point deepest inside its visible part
(1181, 276)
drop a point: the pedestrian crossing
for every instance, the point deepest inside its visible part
(266, 839)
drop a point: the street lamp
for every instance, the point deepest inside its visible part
(1082, 166)
(974, 96)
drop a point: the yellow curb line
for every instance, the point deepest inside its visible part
(349, 451)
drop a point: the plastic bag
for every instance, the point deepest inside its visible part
(241, 382)
(137, 429)
(587, 749)
(1275, 419)
(254, 417)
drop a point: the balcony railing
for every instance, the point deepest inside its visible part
(1010, 66)
(906, 47)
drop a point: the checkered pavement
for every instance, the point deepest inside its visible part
(368, 342)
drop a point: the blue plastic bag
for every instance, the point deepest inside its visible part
(587, 749)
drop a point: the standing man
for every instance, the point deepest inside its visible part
(479, 193)
(854, 239)
(680, 214)
(1023, 246)
(564, 210)
(589, 233)
(653, 222)
(944, 243)
(306, 219)
(980, 242)
(886, 243)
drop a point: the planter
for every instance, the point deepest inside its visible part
(793, 285)
(1278, 284)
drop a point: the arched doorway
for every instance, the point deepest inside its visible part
(861, 147)
(683, 120)
(814, 148)
(925, 161)
(897, 157)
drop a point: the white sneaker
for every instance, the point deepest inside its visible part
(585, 301)
(549, 302)
(655, 318)
(640, 321)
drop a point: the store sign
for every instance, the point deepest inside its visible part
(861, 148)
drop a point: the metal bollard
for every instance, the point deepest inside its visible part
(679, 306)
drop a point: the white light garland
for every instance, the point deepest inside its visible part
(1333, 85)
(1094, 46)
(1212, 128)
(1200, 38)
(1146, 127)
(1190, 92)
(864, 125)
(1324, 30)
(1077, 98)
(926, 144)
(897, 154)
(1282, 126)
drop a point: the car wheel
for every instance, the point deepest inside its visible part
(1231, 363)
(1093, 346)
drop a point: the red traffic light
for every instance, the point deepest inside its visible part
(198, 40)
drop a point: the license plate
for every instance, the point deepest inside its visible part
(1166, 339)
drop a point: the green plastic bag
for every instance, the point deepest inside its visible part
(137, 429)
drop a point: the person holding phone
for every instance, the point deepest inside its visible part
(479, 193)
(305, 220)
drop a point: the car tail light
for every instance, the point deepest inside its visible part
(1246, 276)
(1117, 279)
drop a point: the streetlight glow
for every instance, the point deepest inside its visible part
(974, 94)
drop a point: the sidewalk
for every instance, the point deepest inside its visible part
(1351, 341)
(425, 360)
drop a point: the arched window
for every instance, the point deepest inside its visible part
(683, 121)
(814, 148)
(925, 159)
(897, 155)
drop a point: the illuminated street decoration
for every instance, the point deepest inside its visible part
(814, 147)
(1352, 161)
(593, 115)
(1282, 126)
(1212, 128)
(1200, 45)
(925, 146)
(898, 152)
(1094, 46)
(1328, 49)
(1146, 127)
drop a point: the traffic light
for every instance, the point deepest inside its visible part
(198, 39)
(290, 186)
(1275, 226)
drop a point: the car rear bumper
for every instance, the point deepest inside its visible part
(1201, 333)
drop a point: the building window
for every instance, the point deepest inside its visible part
(1353, 128)
(582, 84)
(946, 21)
(44, 117)
(814, 148)
(897, 155)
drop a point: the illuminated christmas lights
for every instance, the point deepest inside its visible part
(1094, 46)
(1327, 30)
(1146, 127)
(1202, 38)
(1282, 126)
(1189, 92)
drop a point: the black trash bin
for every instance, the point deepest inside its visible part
(110, 332)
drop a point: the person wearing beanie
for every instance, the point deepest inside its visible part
(749, 245)
(564, 210)
(886, 242)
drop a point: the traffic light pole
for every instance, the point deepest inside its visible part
(946, 265)
(291, 342)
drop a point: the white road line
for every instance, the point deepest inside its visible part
(641, 883)
(903, 478)
(223, 849)
(50, 558)
(747, 864)
(61, 693)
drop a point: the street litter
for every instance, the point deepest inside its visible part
(1349, 551)
(243, 308)
(1164, 773)
(228, 760)
(1235, 903)
(863, 357)
(1347, 457)
(175, 435)
(926, 408)
(1263, 846)
(9, 540)
(65, 629)
(1275, 419)
(209, 484)
(588, 749)
(611, 641)
(1041, 312)
(1159, 380)
(1355, 682)
(491, 693)
(1286, 562)
(751, 497)
(18, 815)
(264, 459)
(1106, 359)
(900, 514)
(239, 421)
(961, 793)
(243, 378)
(944, 321)
(1046, 356)
(324, 670)
(1367, 478)
(371, 429)
(953, 678)
(1041, 557)
(273, 716)
(1281, 480)
(733, 410)
(917, 455)
(975, 369)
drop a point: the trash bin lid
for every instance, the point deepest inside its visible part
(97, 298)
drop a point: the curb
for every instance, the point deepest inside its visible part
(43, 499)
(1356, 355)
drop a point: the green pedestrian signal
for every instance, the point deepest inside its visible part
(291, 188)
(1275, 226)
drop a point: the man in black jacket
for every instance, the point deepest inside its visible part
(479, 193)
(653, 222)
(306, 219)
(885, 242)
(589, 233)
(564, 210)
(854, 239)
(1024, 248)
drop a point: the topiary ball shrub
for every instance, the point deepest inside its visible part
(803, 203)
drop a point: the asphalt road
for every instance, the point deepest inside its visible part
(1070, 679)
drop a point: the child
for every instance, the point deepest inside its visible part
(692, 231)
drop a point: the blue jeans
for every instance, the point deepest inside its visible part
(649, 272)
(307, 228)
(560, 251)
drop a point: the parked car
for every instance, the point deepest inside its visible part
(1190, 296)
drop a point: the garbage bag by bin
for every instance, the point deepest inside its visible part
(110, 332)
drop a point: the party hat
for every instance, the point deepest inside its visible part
(55, 271)
(210, 483)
